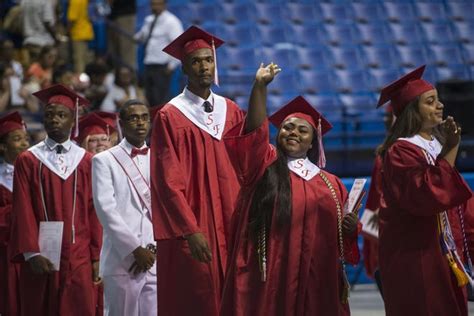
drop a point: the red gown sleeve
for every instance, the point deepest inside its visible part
(375, 190)
(420, 188)
(5, 216)
(251, 154)
(172, 215)
(351, 248)
(24, 228)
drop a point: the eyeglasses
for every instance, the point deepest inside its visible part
(98, 140)
(133, 119)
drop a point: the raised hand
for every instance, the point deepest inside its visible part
(199, 247)
(452, 132)
(265, 74)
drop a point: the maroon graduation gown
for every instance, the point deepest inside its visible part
(416, 278)
(9, 272)
(303, 269)
(194, 189)
(371, 245)
(69, 291)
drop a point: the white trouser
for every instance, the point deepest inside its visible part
(129, 295)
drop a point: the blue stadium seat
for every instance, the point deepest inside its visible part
(413, 56)
(364, 12)
(336, 12)
(312, 57)
(453, 72)
(438, 33)
(429, 75)
(382, 77)
(241, 35)
(330, 102)
(431, 11)
(358, 104)
(270, 35)
(380, 56)
(200, 13)
(299, 13)
(237, 59)
(352, 81)
(235, 12)
(399, 11)
(468, 53)
(375, 33)
(464, 31)
(275, 102)
(285, 83)
(340, 34)
(444, 55)
(406, 33)
(285, 58)
(306, 35)
(313, 82)
(460, 10)
(268, 13)
(346, 57)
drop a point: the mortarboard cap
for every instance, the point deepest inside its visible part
(109, 117)
(11, 122)
(402, 91)
(92, 124)
(300, 108)
(191, 40)
(59, 94)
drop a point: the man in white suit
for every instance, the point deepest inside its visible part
(121, 188)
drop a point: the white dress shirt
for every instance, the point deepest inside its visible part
(167, 28)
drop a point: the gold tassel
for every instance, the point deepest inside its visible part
(458, 273)
(345, 288)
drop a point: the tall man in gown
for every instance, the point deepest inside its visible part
(52, 183)
(192, 209)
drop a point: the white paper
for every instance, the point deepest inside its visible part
(50, 241)
(367, 227)
(354, 195)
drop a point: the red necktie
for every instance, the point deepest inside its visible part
(136, 151)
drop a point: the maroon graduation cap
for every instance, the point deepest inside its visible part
(300, 108)
(404, 90)
(92, 124)
(11, 122)
(191, 40)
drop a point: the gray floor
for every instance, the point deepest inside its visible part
(365, 300)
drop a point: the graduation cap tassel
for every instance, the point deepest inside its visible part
(322, 156)
(119, 128)
(216, 74)
(76, 129)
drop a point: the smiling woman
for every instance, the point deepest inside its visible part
(425, 198)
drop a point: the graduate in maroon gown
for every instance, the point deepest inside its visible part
(13, 141)
(52, 182)
(420, 263)
(194, 187)
(292, 238)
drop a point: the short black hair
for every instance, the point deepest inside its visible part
(129, 103)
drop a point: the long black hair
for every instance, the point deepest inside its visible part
(273, 191)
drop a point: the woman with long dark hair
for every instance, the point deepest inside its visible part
(291, 238)
(421, 266)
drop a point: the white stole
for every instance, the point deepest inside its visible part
(141, 186)
(6, 175)
(303, 167)
(212, 123)
(62, 164)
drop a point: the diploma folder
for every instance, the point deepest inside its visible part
(50, 241)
